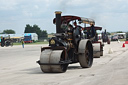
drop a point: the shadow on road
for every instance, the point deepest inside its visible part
(74, 67)
(37, 70)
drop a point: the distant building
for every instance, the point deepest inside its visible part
(121, 35)
(117, 36)
(50, 36)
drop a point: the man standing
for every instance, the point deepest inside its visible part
(22, 41)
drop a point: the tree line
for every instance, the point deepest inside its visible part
(8, 31)
(42, 34)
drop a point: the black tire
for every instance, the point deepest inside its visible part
(2, 45)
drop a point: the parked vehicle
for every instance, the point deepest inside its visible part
(114, 38)
(30, 37)
(126, 36)
(6, 42)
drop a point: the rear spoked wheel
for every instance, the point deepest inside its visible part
(86, 58)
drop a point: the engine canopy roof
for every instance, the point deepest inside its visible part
(69, 18)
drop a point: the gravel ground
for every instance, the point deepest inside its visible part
(18, 67)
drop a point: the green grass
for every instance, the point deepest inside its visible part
(16, 43)
(122, 39)
(31, 43)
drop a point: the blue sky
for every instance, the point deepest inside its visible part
(15, 14)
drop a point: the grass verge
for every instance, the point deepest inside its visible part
(31, 43)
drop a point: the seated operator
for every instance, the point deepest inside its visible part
(80, 28)
(64, 26)
(75, 24)
(69, 28)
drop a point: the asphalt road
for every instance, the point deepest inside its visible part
(18, 67)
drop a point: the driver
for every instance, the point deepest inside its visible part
(80, 28)
(64, 26)
(75, 24)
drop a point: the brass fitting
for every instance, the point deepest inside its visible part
(58, 12)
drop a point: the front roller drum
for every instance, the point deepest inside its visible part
(85, 53)
(50, 60)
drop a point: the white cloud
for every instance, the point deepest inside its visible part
(8, 4)
(107, 13)
(28, 14)
(36, 6)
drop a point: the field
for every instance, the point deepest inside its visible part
(31, 43)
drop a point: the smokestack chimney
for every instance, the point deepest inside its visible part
(58, 22)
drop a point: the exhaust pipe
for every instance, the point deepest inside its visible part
(58, 21)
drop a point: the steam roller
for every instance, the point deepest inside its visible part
(97, 45)
(57, 59)
(69, 45)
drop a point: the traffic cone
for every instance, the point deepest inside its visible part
(123, 45)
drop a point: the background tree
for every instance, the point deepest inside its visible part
(28, 29)
(8, 31)
(44, 34)
(36, 29)
(108, 33)
(119, 32)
